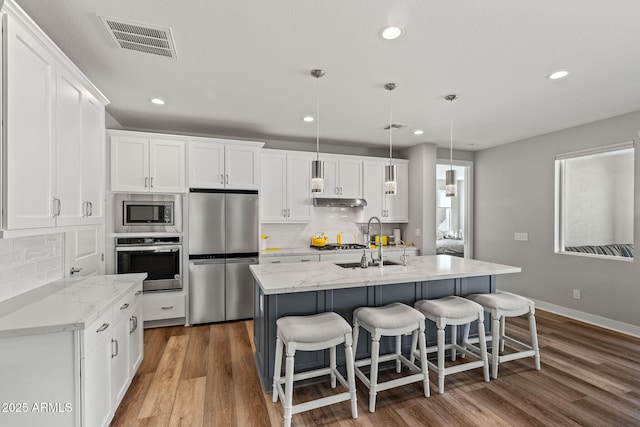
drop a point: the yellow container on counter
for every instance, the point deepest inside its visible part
(384, 240)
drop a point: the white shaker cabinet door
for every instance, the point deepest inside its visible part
(373, 189)
(206, 165)
(93, 160)
(242, 167)
(136, 336)
(331, 176)
(129, 164)
(299, 203)
(96, 371)
(397, 206)
(69, 146)
(273, 191)
(167, 172)
(30, 91)
(350, 177)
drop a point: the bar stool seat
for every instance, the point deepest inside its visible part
(453, 311)
(395, 320)
(502, 305)
(313, 333)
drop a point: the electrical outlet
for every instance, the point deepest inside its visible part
(418, 233)
(521, 236)
(576, 294)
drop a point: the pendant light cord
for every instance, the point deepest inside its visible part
(390, 124)
(317, 118)
(451, 133)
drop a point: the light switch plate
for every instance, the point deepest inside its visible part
(521, 236)
(418, 233)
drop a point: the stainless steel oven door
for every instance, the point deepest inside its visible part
(163, 265)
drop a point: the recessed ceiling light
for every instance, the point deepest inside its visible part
(308, 119)
(418, 132)
(560, 74)
(157, 101)
(391, 33)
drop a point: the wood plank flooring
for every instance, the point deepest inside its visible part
(206, 376)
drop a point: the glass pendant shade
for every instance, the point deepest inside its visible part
(317, 176)
(450, 183)
(390, 183)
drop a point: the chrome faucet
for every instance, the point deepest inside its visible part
(373, 260)
(403, 257)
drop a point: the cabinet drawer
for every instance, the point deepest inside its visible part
(96, 331)
(163, 305)
(288, 259)
(123, 307)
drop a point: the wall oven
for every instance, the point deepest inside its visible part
(148, 213)
(159, 257)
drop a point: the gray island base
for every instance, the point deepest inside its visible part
(310, 288)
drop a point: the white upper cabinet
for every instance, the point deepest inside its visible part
(285, 194)
(386, 207)
(48, 125)
(143, 164)
(167, 166)
(206, 165)
(342, 176)
(222, 163)
(29, 148)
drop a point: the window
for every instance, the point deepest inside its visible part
(594, 202)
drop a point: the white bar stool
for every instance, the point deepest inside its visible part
(394, 320)
(312, 333)
(502, 305)
(453, 311)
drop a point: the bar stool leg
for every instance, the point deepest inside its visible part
(375, 352)
(495, 343)
(414, 347)
(503, 321)
(288, 388)
(423, 360)
(398, 351)
(277, 368)
(454, 341)
(355, 332)
(351, 377)
(483, 347)
(441, 334)
(332, 365)
(534, 338)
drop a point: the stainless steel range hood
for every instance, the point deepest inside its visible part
(330, 202)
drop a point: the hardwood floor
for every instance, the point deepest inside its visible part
(206, 376)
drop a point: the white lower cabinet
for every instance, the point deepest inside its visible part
(136, 335)
(163, 305)
(73, 378)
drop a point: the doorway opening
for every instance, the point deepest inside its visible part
(454, 214)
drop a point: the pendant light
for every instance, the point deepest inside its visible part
(390, 183)
(450, 181)
(317, 167)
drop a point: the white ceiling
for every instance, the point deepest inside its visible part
(243, 66)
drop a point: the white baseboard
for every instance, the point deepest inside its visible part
(592, 319)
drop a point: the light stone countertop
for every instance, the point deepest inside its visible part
(311, 251)
(303, 277)
(67, 304)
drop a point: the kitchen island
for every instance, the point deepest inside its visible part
(309, 288)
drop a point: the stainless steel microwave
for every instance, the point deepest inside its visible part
(142, 213)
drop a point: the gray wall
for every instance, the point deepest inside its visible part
(422, 198)
(514, 192)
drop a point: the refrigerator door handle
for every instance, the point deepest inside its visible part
(239, 260)
(208, 262)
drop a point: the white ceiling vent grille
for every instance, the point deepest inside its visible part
(140, 37)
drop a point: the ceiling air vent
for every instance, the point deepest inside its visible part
(140, 37)
(395, 126)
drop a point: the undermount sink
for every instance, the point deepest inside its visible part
(357, 264)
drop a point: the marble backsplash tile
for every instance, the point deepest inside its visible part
(29, 262)
(332, 221)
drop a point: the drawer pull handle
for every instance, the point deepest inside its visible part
(102, 328)
(117, 349)
(275, 262)
(305, 260)
(124, 306)
(138, 293)
(167, 307)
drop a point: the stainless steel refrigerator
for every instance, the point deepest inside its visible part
(223, 242)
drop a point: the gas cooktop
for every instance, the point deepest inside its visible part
(335, 246)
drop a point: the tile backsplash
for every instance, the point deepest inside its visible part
(27, 263)
(330, 220)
